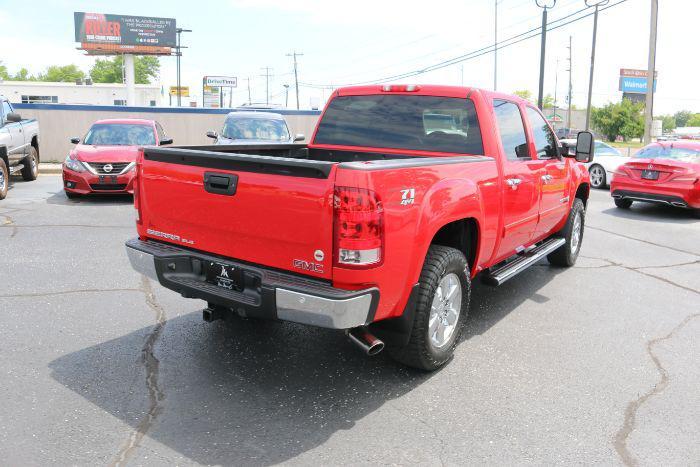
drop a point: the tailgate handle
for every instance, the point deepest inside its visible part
(220, 184)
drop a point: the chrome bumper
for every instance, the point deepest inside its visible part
(290, 298)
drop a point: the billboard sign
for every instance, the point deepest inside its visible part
(211, 97)
(221, 81)
(108, 33)
(184, 91)
(635, 81)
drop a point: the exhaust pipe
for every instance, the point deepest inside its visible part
(369, 344)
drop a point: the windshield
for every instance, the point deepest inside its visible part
(423, 123)
(669, 152)
(255, 129)
(120, 134)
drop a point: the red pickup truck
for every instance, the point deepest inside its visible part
(377, 226)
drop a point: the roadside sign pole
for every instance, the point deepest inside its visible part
(649, 109)
(129, 80)
(568, 113)
(590, 78)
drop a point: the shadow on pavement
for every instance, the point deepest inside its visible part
(261, 392)
(89, 200)
(648, 212)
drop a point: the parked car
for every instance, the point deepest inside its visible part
(19, 146)
(607, 160)
(254, 127)
(104, 161)
(662, 172)
(378, 226)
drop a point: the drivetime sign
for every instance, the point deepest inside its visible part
(221, 81)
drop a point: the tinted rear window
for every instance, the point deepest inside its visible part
(422, 123)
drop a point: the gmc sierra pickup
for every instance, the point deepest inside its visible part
(377, 226)
(19, 146)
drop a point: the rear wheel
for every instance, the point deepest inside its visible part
(31, 165)
(572, 232)
(4, 179)
(597, 174)
(623, 203)
(443, 298)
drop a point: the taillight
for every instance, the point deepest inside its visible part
(358, 227)
(137, 201)
(400, 88)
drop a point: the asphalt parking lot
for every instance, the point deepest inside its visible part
(597, 364)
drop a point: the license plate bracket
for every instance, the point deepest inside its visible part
(650, 174)
(225, 276)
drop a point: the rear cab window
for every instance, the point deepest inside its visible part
(399, 121)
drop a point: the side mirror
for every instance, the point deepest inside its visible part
(523, 151)
(299, 137)
(166, 141)
(584, 147)
(13, 117)
(567, 151)
(212, 134)
(75, 140)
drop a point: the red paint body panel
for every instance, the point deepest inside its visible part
(274, 219)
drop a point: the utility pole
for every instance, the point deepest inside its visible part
(248, 81)
(495, 47)
(568, 113)
(178, 54)
(651, 71)
(267, 84)
(286, 95)
(296, 79)
(556, 84)
(544, 5)
(590, 78)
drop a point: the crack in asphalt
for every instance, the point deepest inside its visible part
(151, 364)
(9, 222)
(629, 423)
(436, 435)
(67, 292)
(643, 241)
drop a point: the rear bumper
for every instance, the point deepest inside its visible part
(658, 198)
(266, 294)
(84, 183)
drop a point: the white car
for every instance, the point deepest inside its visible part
(605, 161)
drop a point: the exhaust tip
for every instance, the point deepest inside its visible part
(367, 342)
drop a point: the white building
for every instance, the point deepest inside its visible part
(40, 92)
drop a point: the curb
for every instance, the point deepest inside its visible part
(46, 168)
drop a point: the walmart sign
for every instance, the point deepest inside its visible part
(634, 84)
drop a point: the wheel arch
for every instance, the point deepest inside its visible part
(583, 191)
(461, 234)
(3, 156)
(35, 145)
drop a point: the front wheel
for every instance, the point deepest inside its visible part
(597, 174)
(30, 171)
(572, 233)
(443, 298)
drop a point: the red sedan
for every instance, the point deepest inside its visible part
(104, 161)
(664, 172)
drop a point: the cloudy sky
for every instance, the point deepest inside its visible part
(363, 40)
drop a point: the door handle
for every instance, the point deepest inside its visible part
(546, 178)
(220, 184)
(513, 182)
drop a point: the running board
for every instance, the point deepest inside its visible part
(524, 261)
(15, 169)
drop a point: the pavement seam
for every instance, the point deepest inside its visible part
(67, 292)
(16, 226)
(643, 241)
(632, 409)
(151, 365)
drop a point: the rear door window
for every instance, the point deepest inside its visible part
(512, 130)
(400, 121)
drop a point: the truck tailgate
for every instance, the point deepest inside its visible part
(270, 211)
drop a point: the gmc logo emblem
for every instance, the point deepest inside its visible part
(308, 266)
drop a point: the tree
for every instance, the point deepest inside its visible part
(694, 120)
(58, 74)
(548, 102)
(682, 117)
(3, 72)
(619, 119)
(109, 70)
(525, 94)
(668, 122)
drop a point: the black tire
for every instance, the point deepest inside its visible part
(4, 179)
(70, 195)
(420, 352)
(600, 179)
(30, 171)
(696, 213)
(623, 203)
(566, 255)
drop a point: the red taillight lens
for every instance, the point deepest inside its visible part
(400, 88)
(359, 227)
(137, 201)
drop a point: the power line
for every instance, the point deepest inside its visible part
(534, 32)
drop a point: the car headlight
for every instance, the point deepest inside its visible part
(74, 164)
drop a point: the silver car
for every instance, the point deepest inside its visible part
(247, 127)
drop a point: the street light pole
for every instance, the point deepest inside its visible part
(178, 53)
(545, 6)
(590, 78)
(495, 47)
(649, 109)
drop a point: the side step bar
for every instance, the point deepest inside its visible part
(500, 275)
(15, 169)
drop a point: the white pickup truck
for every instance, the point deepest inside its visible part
(19, 146)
